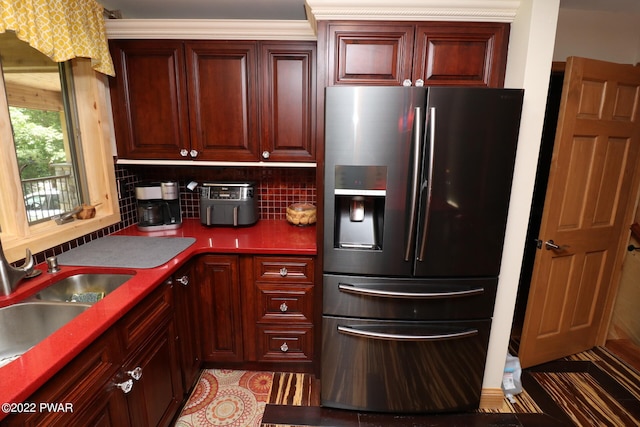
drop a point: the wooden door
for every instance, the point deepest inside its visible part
(220, 308)
(149, 99)
(288, 101)
(591, 194)
(223, 108)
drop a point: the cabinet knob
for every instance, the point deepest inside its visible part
(184, 280)
(136, 374)
(406, 82)
(184, 152)
(419, 83)
(193, 153)
(284, 347)
(125, 386)
(284, 307)
(283, 272)
(265, 154)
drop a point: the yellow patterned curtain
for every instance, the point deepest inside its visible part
(61, 29)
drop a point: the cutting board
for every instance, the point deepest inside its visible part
(126, 251)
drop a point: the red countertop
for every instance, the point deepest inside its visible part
(20, 378)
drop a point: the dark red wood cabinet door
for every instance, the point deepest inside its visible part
(186, 313)
(288, 101)
(464, 54)
(149, 100)
(369, 54)
(156, 396)
(223, 106)
(220, 308)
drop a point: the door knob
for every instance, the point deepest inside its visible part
(125, 386)
(550, 244)
(136, 374)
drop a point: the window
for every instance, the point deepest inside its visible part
(45, 134)
(52, 123)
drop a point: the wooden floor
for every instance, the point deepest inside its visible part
(594, 388)
(627, 351)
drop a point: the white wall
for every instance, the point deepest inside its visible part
(607, 36)
(529, 67)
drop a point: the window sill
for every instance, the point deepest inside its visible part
(44, 236)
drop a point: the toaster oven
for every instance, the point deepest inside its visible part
(231, 203)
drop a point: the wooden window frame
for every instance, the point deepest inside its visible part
(91, 92)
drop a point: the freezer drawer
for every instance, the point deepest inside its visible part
(408, 299)
(427, 367)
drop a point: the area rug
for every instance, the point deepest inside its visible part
(227, 398)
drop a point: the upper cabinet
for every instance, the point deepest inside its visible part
(438, 53)
(239, 101)
(222, 82)
(149, 99)
(288, 101)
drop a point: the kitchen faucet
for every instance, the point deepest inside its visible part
(10, 276)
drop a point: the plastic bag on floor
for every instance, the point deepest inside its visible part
(511, 383)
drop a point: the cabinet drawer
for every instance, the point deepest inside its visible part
(143, 319)
(285, 344)
(284, 269)
(286, 303)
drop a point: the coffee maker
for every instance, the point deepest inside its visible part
(158, 206)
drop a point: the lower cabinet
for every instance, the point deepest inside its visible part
(284, 308)
(241, 311)
(187, 321)
(130, 376)
(219, 294)
(256, 309)
(150, 339)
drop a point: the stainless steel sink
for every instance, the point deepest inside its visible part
(24, 325)
(84, 288)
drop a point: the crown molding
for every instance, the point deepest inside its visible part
(222, 29)
(413, 10)
(373, 10)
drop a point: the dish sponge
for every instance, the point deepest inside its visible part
(87, 297)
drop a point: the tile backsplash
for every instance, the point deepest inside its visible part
(276, 188)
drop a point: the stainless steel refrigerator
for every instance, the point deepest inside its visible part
(417, 186)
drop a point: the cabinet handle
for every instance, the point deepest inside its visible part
(136, 374)
(125, 386)
(193, 153)
(284, 347)
(184, 280)
(265, 154)
(184, 152)
(284, 307)
(284, 272)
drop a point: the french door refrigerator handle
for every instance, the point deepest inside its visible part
(402, 337)
(429, 182)
(352, 289)
(415, 182)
